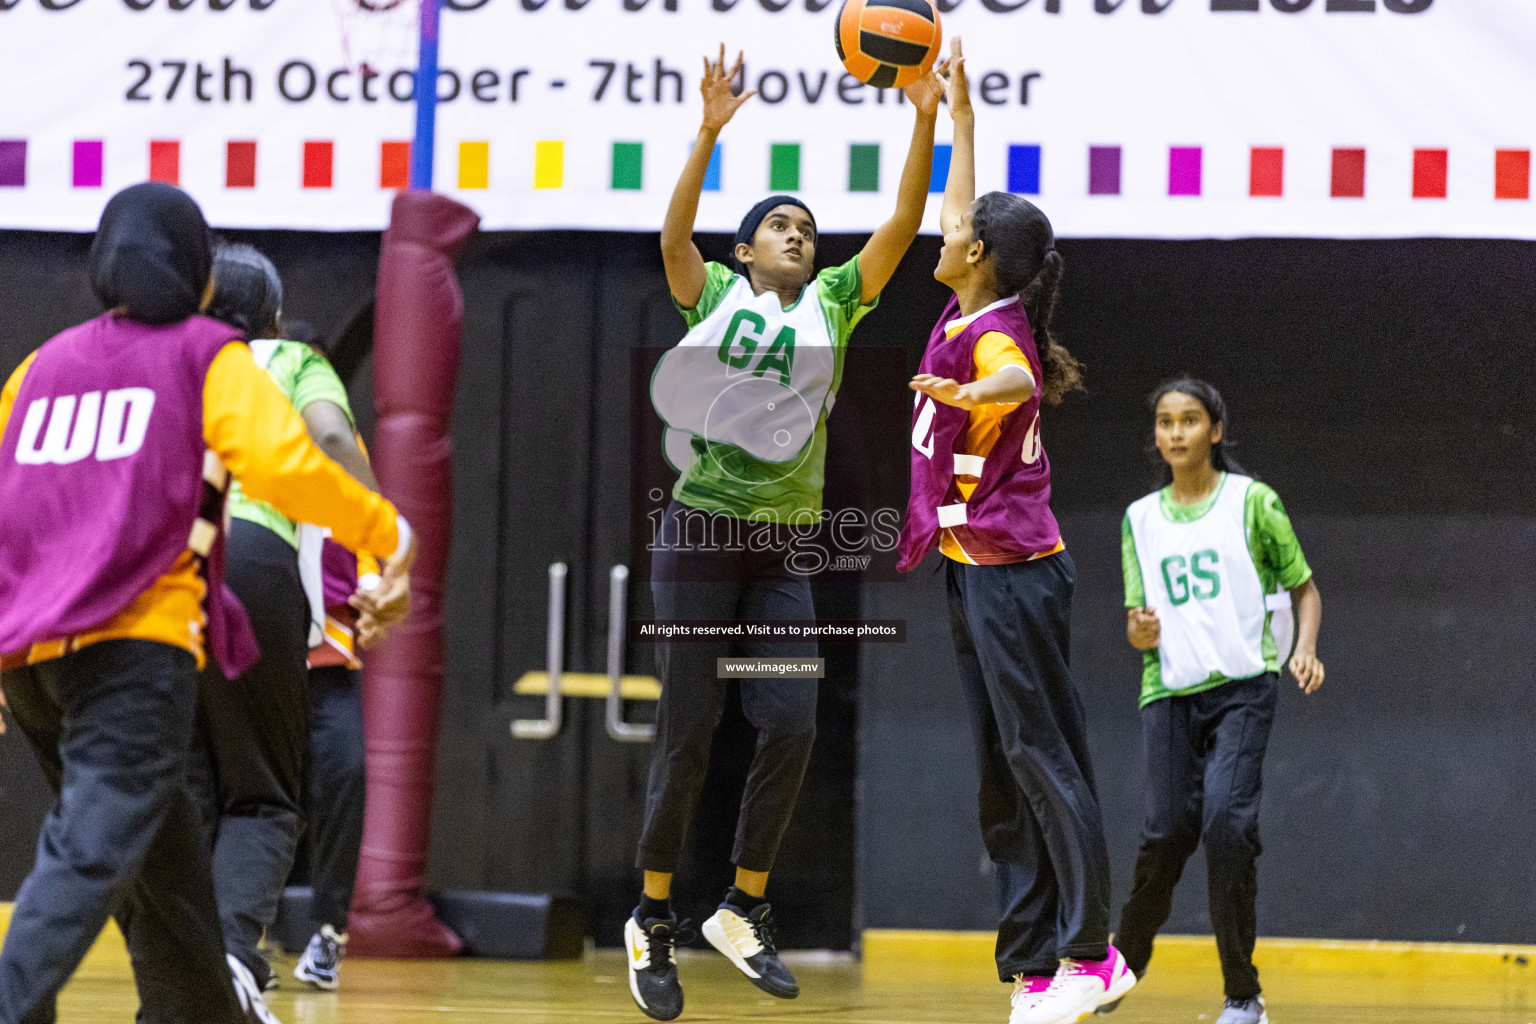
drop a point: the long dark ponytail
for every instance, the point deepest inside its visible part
(1017, 238)
(1207, 395)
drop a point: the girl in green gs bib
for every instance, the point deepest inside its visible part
(745, 397)
(1212, 569)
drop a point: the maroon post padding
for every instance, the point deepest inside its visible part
(419, 317)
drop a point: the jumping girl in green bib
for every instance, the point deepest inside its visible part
(747, 393)
(1212, 570)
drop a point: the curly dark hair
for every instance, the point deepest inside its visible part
(1017, 239)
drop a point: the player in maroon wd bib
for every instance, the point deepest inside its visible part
(112, 473)
(981, 489)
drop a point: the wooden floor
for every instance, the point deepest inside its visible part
(900, 983)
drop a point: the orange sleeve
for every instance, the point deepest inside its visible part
(261, 440)
(996, 350)
(12, 389)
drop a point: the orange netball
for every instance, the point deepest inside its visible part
(888, 43)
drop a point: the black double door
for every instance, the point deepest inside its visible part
(557, 459)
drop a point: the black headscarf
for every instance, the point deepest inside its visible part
(754, 218)
(247, 291)
(152, 254)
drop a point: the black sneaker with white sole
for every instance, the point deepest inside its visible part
(748, 941)
(320, 965)
(652, 967)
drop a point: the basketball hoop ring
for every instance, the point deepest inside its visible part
(379, 35)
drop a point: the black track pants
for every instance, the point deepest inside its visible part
(736, 585)
(111, 725)
(1040, 817)
(337, 788)
(253, 733)
(1204, 768)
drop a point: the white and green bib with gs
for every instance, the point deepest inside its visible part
(1219, 575)
(745, 395)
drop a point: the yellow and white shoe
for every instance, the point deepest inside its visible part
(748, 942)
(652, 968)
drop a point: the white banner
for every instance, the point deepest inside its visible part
(1131, 118)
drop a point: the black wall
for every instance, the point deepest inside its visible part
(1380, 386)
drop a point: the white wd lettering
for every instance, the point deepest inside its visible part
(922, 430)
(72, 428)
(124, 422)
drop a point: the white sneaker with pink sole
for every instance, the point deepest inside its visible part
(1079, 988)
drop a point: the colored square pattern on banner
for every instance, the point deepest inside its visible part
(395, 165)
(940, 176)
(240, 165)
(628, 165)
(784, 167)
(319, 164)
(1348, 174)
(1024, 170)
(1104, 170)
(785, 173)
(474, 165)
(1184, 170)
(1266, 171)
(549, 164)
(864, 167)
(13, 163)
(1512, 174)
(88, 168)
(165, 161)
(1431, 168)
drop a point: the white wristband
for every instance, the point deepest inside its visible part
(405, 538)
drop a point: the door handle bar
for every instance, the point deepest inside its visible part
(548, 727)
(618, 623)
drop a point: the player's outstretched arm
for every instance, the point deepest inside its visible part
(883, 252)
(1000, 388)
(960, 188)
(681, 258)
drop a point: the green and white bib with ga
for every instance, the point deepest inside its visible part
(752, 374)
(746, 393)
(1199, 575)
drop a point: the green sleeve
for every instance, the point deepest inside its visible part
(316, 381)
(717, 281)
(841, 290)
(1272, 540)
(1135, 592)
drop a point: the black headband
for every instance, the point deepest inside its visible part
(754, 218)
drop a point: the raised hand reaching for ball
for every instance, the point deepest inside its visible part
(720, 101)
(957, 90)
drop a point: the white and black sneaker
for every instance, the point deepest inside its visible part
(1244, 1011)
(652, 967)
(320, 965)
(748, 942)
(249, 993)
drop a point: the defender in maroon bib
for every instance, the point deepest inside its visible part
(1010, 584)
(1008, 516)
(102, 475)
